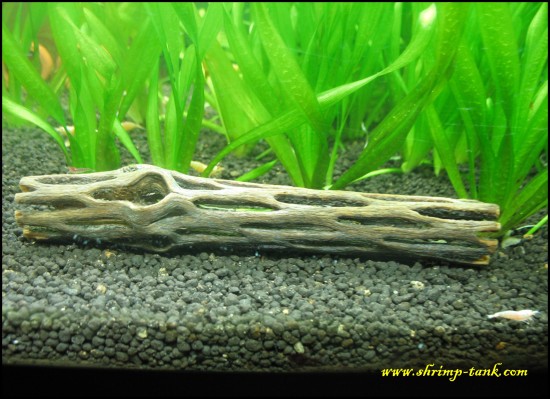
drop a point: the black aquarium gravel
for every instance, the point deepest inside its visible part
(104, 306)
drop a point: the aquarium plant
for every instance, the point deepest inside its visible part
(497, 130)
(312, 92)
(462, 87)
(493, 116)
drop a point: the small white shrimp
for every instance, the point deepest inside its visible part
(518, 315)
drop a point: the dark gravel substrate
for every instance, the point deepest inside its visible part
(111, 307)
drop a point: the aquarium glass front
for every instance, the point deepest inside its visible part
(275, 187)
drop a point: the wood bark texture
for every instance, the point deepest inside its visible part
(157, 209)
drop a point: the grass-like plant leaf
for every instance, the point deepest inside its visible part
(287, 70)
(182, 118)
(105, 77)
(502, 95)
(21, 69)
(11, 107)
(154, 138)
(257, 172)
(293, 118)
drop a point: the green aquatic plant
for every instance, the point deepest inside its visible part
(469, 123)
(463, 87)
(109, 52)
(185, 107)
(104, 74)
(493, 117)
(304, 112)
(292, 52)
(21, 23)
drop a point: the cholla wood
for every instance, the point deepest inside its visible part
(157, 209)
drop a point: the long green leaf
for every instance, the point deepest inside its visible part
(211, 24)
(104, 36)
(287, 69)
(500, 45)
(445, 151)
(95, 56)
(11, 107)
(192, 125)
(187, 15)
(65, 40)
(107, 154)
(140, 60)
(85, 124)
(239, 108)
(531, 198)
(248, 64)
(469, 92)
(154, 138)
(166, 24)
(21, 68)
(126, 141)
(535, 56)
(171, 131)
(390, 133)
(294, 118)
(534, 59)
(257, 172)
(255, 78)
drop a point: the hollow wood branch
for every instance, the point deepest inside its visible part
(156, 209)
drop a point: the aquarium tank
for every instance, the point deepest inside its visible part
(438, 110)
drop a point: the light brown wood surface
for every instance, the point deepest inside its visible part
(159, 210)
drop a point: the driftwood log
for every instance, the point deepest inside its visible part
(156, 209)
